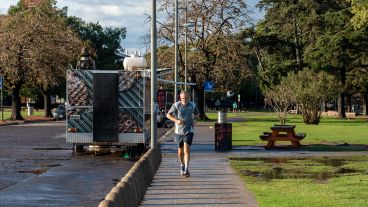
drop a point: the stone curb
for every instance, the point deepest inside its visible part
(131, 189)
(23, 122)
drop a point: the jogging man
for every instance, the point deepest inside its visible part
(183, 113)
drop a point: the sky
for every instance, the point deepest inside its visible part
(115, 13)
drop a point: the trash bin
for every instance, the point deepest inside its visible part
(223, 136)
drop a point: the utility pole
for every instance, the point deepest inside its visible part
(153, 75)
(176, 51)
(185, 48)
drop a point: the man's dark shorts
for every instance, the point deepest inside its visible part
(180, 139)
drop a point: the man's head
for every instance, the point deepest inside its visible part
(184, 97)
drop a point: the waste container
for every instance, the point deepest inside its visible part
(223, 136)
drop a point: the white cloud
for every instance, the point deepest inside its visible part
(116, 13)
(127, 13)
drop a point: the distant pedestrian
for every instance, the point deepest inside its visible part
(235, 106)
(218, 104)
(183, 113)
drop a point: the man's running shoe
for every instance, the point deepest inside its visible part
(187, 174)
(182, 170)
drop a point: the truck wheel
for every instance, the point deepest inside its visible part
(78, 148)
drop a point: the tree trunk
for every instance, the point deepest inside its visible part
(341, 99)
(16, 105)
(296, 42)
(200, 103)
(341, 105)
(348, 102)
(47, 103)
(199, 98)
(364, 105)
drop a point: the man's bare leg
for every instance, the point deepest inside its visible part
(181, 155)
(186, 157)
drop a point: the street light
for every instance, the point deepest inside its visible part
(153, 75)
(176, 53)
(186, 25)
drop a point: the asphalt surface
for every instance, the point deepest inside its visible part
(38, 168)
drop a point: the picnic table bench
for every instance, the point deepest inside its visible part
(282, 133)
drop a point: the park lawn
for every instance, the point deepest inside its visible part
(329, 131)
(312, 182)
(7, 114)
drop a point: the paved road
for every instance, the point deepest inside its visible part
(37, 168)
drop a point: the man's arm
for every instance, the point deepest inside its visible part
(170, 116)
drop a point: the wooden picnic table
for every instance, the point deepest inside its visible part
(282, 133)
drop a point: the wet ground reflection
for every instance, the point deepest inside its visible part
(320, 169)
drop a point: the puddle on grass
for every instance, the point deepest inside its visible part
(319, 169)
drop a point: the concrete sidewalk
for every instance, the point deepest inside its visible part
(212, 181)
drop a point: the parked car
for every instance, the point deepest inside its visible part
(59, 112)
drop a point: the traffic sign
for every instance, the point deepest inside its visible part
(1, 82)
(208, 86)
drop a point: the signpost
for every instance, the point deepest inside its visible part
(208, 86)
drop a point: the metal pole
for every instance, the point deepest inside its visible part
(153, 75)
(2, 110)
(185, 48)
(204, 101)
(176, 52)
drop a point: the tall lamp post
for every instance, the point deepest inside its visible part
(153, 75)
(186, 25)
(176, 52)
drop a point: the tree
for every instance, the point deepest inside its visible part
(36, 47)
(218, 54)
(360, 11)
(310, 90)
(297, 34)
(280, 99)
(338, 48)
(306, 89)
(106, 41)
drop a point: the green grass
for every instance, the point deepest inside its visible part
(7, 114)
(330, 131)
(311, 182)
